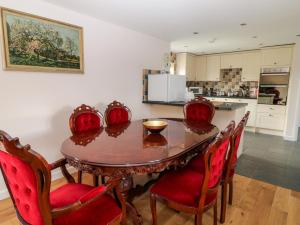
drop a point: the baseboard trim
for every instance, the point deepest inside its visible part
(290, 138)
(56, 174)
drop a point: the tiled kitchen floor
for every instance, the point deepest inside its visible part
(271, 159)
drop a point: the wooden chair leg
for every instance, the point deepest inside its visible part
(79, 176)
(153, 209)
(198, 219)
(230, 191)
(223, 202)
(96, 180)
(102, 180)
(216, 213)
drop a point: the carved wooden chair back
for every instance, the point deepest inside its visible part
(117, 113)
(85, 118)
(27, 177)
(199, 109)
(214, 162)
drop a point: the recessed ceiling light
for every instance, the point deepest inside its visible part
(195, 32)
(243, 24)
(254, 37)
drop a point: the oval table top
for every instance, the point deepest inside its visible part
(131, 144)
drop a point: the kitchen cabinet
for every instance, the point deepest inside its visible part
(213, 66)
(231, 60)
(277, 56)
(185, 65)
(200, 68)
(270, 117)
(251, 64)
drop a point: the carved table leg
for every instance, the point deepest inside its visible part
(125, 186)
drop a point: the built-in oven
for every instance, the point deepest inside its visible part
(273, 86)
(196, 90)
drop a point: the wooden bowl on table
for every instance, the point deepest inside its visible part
(155, 126)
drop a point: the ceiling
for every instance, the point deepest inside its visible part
(269, 22)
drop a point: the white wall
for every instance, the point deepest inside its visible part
(293, 110)
(36, 106)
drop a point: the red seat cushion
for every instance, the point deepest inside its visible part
(182, 186)
(198, 112)
(22, 183)
(117, 115)
(99, 212)
(87, 122)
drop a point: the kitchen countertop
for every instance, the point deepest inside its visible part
(242, 97)
(227, 106)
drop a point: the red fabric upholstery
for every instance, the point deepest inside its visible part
(218, 163)
(117, 115)
(87, 122)
(99, 212)
(236, 147)
(198, 112)
(197, 164)
(22, 183)
(182, 186)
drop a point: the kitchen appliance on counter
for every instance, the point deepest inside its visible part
(196, 90)
(273, 86)
(166, 87)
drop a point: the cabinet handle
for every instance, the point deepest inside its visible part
(275, 63)
(271, 109)
(270, 115)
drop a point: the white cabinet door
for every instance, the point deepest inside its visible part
(185, 65)
(281, 56)
(200, 68)
(271, 121)
(252, 117)
(213, 66)
(251, 66)
(231, 60)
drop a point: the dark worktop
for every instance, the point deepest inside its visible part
(227, 106)
(212, 96)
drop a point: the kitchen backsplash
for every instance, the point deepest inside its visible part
(230, 80)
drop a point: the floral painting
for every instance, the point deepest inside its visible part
(38, 44)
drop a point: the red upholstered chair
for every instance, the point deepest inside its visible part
(231, 163)
(194, 191)
(28, 178)
(85, 119)
(117, 113)
(199, 109)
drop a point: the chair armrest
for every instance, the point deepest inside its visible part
(58, 163)
(86, 199)
(93, 194)
(62, 164)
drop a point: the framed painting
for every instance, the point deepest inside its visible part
(34, 43)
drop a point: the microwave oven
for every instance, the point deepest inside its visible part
(196, 90)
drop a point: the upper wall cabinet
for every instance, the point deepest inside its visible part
(201, 68)
(231, 60)
(277, 56)
(185, 65)
(251, 62)
(213, 66)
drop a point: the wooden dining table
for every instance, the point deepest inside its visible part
(129, 149)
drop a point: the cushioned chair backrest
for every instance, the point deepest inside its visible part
(23, 186)
(84, 119)
(236, 138)
(215, 155)
(117, 113)
(19, 171)
(199, 109)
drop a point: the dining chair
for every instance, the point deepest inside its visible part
(85, 119)
(199, 109)
(117, 113)
(193, 191)
(27, 176)
(231, 163)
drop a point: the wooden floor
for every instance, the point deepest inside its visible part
(255, 203)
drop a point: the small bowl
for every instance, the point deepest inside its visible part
(155, 126)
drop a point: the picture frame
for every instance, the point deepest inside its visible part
(35, 43)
